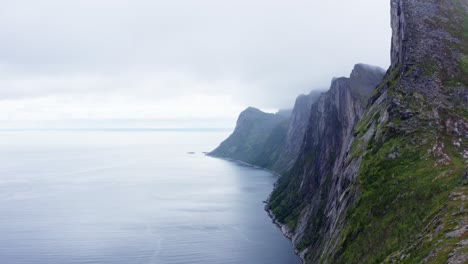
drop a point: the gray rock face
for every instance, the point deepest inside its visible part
(253, 130)
(309, 148)
(363, 80)
(423, 32)
(275, 141)
(317, 176)
(272, 141)
(418, 102)
(424, 82)
(297, 127)
(358, 142)
(428, 52)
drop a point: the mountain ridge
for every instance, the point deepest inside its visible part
(282, 138)
(381, 172)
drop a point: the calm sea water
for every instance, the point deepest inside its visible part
(131, 197)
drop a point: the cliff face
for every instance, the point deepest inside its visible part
(401, 184)
(308, 190)
(406, 200)
(272, 141)
(275, 141)
(255, 131)
(295, 133)
(383, 179)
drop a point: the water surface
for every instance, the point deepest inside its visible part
(131, 197)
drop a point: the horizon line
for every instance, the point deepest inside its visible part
(175, 129)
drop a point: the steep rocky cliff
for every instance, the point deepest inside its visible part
(275, 141)
(384, 179)
(406, 201)
(398, 194)
(295, 133)
(307, 191)
(255, 130)
(268, 140)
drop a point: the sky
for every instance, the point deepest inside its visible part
(176, 63)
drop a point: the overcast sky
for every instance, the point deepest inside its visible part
(171, 63)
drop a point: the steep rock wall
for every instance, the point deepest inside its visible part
(385, 179)
(307, 199)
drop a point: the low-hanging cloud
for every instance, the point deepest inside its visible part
(255, 52)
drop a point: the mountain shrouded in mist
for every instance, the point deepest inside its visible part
(381, 172)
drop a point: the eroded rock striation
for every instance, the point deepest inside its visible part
(375, 169)
(312, 188)
(268, 140)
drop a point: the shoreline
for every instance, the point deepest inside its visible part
(245, 164)
(284, 230)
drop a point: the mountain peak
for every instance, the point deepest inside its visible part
(431, 34)
(377, 181)
(362, 68)
(251, 109)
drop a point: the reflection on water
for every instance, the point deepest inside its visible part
(131, 197)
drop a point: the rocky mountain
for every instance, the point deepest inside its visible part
(295, 133)
(378, 170)
(255, 130)
(302, 194)
(274, 141)
(260, 138)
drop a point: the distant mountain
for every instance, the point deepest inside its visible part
(375, 169)
(268, 140)
(275, 141)
(253, 130)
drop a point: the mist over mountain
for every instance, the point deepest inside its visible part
(176, 59)
(375, 170)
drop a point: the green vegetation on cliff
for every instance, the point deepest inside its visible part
(405, 182)
(387, 181)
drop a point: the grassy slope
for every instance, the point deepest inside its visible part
(400, 197)
(410, 203)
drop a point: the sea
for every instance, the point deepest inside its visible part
(128, 196)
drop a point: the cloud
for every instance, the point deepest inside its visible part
(255, 52)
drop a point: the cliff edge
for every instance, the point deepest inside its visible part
(375, 169)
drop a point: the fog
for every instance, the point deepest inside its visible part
(161, 61)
